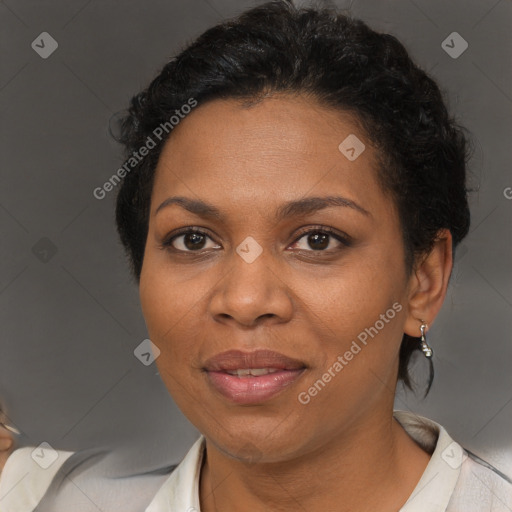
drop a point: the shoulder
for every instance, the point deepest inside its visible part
(38, 480)
(481, 486)
(26, 476)
(455, 479)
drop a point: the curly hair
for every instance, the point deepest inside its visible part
(342, 63)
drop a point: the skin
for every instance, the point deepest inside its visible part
(306, 303)
(6, 445)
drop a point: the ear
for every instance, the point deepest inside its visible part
(428, 284)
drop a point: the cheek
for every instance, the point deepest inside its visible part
(172, 301)
(167, 305)
(354, 294)
(357, 314)
(358, 334)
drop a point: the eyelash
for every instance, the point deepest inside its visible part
(345, 240)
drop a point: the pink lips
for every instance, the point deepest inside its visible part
(252, 389)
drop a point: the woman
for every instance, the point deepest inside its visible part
(293, 239)
(293, 194)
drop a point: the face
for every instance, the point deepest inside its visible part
(322, 283)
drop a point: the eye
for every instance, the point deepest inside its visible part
(320, 239)
(188, 240)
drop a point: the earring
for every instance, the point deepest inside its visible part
(427, 351)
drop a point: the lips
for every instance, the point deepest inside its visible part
(238, 360)
(248, 378)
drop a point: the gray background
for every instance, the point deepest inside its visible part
(70, 313)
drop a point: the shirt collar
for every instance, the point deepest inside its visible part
(436, 485)
(432, 493)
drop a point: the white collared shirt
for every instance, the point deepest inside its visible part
(24, 482)
(453, 480)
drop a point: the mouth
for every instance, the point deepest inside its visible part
(252, 372)
(247, 378)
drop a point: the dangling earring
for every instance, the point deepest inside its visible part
(427, 351)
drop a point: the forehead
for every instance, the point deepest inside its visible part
(278, 149)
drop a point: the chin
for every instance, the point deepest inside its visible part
(263, 445)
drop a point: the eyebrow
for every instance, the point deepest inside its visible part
(305, 206)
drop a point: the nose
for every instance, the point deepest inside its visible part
(251, 293)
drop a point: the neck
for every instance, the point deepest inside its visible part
(379, 457)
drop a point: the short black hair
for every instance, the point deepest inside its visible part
(340, 62)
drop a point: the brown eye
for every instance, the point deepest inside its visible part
(193, 241)
(190, 240)
(319, 240)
